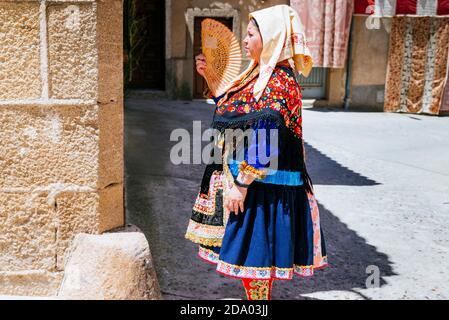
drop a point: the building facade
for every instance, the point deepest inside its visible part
(359, 84)
(363, 87)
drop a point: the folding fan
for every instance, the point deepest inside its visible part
(223, 55)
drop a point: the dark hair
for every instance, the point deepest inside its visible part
(255, 23)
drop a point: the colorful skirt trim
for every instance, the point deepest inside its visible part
(258, 272)
(277, 235)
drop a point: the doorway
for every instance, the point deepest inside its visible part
(144, 37)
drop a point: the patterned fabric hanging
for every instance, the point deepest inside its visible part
(445, 102)
(417, 64)
(327, 25)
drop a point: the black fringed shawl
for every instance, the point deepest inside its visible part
(280, 104)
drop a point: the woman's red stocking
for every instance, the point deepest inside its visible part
(257, 289)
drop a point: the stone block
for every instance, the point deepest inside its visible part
(111, 266)
(76, 213)
(72, 50)
(27, 232)
(111, 144)
(110, 51)
(30, 283)
(52, 147)
(19, 51)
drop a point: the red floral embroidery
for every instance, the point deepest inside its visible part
(282, 94)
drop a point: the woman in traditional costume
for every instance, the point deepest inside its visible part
(257, 219)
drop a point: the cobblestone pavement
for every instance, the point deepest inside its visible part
(381, 180)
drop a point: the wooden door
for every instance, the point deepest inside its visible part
(149, 19)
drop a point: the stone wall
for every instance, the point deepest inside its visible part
(61, 136)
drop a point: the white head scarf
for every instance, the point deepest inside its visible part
(283, 37)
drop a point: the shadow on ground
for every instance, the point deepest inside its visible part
(160, 195)
(365, 109)
(326, 171)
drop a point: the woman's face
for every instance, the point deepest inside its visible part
(253, 42)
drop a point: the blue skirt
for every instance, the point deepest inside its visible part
(276, 236)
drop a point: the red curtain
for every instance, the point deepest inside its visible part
(443, 7)
(404, 7)
(362, 6)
